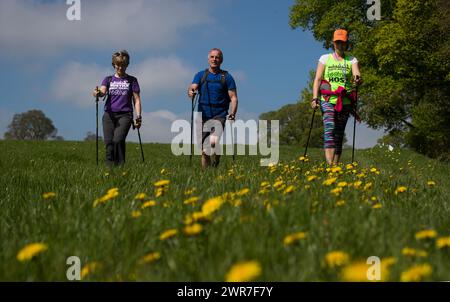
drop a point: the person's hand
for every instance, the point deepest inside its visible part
(191, 92)
(138, 122)
(315, 103)
(96, 92)
(358, 80)
(231, 117)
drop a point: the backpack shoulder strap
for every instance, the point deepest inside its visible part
(223, 79)
(205, 75)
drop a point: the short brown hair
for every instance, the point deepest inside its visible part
(121, 58)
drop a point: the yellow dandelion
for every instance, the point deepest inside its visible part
(48, 195)
(416, 273)
(431, 183)
(30, 251)
(367, 186)
(377, 206)
(361, 175)
(159, 192)
(190, 191)
(140, 196)
(289, 189)
(358, 271)
(193, 229)
(355, 272)
(89, 268)
(374, 170)
(312, 177)
(162, 183)
(265, 184)
(410, 252)
(243, 192)
(196, 216)
(342, 184)
(148, 203)
(112, 193)
(136, 214)
(443, 242)
(336, 169)
(168, 234)
(278, 184)
(212, 205)
(340, 203)
(357, 184)
(336, 191)
(349, 167)
(151, 257)
(329, 181)
(244, 272)
(303, 158)
(292, 238)
(400, 189)
(426, 234)
(236, 202)
(191, 200)
(307, 187)
(336, 258)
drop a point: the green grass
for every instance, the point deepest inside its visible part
(109, 235)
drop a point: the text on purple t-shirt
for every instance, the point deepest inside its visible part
(120, 93)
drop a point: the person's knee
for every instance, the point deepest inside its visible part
(118, 141)
(214, 140)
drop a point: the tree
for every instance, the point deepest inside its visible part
(31, 125)
(91, 137)
(295, 120)
(405, 61)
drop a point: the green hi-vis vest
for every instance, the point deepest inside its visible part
(338, 73)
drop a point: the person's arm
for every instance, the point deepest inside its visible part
(138, 108)
(234, 104)
(356, 73)
(316, 85)
(101, 92)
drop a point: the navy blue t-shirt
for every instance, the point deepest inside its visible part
(214, 99)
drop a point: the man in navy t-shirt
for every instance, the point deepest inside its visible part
(217, 91)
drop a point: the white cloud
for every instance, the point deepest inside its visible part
(155, 127)
(168, 76)
(5, 119)
(75, 81)
(239, 76)
(34, 27)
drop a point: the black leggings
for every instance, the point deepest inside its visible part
(115, 130)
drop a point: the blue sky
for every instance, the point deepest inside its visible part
(52, 64)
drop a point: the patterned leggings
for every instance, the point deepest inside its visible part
(334, 125)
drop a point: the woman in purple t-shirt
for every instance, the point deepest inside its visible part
(121, 90)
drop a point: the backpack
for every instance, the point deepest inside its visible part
(223, 74)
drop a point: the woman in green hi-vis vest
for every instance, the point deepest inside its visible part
(332, 91)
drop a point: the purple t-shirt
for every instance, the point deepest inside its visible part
(120, 93)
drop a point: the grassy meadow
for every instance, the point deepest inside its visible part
(165, 220)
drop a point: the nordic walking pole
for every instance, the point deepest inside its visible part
(140, 143)
(310, 129)
(139, 136)
(232, 138)
(192, 127)
(354, 124)
(96, 123)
